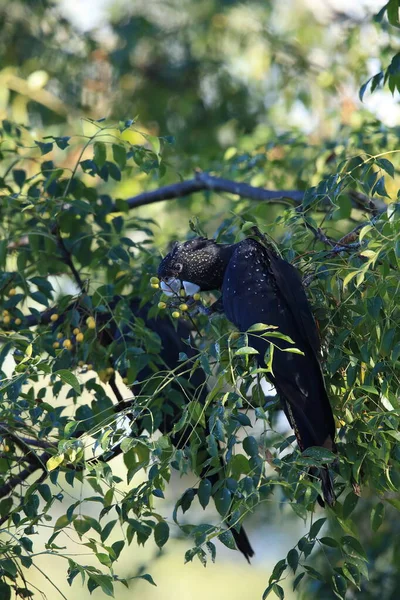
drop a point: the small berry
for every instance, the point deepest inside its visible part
(183, 307)
(76, 331)
(109, 370)
(125, 380)
(60, 335)
(154, 280)
(18, 321)
(176, 314)
(12, 292)
(89, 367)
(67, 344)
(80, 363)
(196, 296)
(54, 317)
(162, 305)
(155, 286)
(5, 313)
(91, 323)
(79, 337)
(182, 293)
(56, 345)
(6, 320)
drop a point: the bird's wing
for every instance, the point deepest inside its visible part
(257, 289)
(292, 291)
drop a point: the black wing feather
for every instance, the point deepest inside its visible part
(259, 287)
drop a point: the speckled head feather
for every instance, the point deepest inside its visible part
(200, 261)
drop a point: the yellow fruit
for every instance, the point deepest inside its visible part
(54, 317)
(183, 307)
(176, 314)
(60, 335)
(91, 323)
(67, 344)
(79, 337)
(18, 321)
(155, 286)
(182, 293)
(56, 345)
(5, 313)
(76, 331)
(154, 280)
(12, 292)
(196, 296)
(125, 380)
(109, 370)
(80, 363)
(162, 305)
(6, 320)
(89, 367)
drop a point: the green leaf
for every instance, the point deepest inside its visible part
(393, 12)
(54, 462)
(292, 350)
(245, 351)
(155, 142)
(82, 526)
(260, 326)
(321, 455)
(328, 541)
(296, 582)
(250, 445)
(70, 379)
(316, 527)
(223, 499)
(146, 577)
(5, 591)
(293, 559)
(44, 148)
(386, 165)
(62, 522)
(377, 516)
(100, 154)
(204, 492)
(119, 155)
(279, 568)
(349, 504)
(161, 533)
(278, 591)
(354, 545)
(226, 537)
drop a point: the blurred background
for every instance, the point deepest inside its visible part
(215, 80)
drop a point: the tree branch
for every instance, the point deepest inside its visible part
(23, 476)
(204, 181)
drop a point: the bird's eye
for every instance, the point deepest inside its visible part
(178, 267)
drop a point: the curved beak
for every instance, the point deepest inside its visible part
(171, 286)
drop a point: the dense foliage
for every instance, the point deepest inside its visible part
(84, 378)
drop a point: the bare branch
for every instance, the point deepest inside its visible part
(23, 476)
(204, 181)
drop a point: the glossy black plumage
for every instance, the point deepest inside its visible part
(259, 287)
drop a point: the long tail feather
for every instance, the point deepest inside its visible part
(242, 543)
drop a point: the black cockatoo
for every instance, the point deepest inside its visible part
(259, 287)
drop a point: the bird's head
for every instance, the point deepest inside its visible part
(199, 262)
